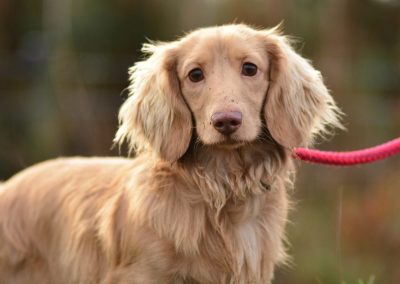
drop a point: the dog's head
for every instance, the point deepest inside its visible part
(223, 84)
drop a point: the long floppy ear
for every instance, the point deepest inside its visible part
(298, 106)
(155, 116)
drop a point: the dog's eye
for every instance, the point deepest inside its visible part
(249, 69)
(196, 75)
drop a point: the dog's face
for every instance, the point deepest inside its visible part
(221, 84)
(223, 76)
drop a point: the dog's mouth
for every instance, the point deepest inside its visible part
(229, 143)
(229, 146)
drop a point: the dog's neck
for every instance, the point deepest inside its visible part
(239, 173)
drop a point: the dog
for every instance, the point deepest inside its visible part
(212, 119)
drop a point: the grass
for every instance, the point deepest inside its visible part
(371, 280)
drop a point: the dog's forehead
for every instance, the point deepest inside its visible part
(222, 36)
(231, 40)
(225, 30)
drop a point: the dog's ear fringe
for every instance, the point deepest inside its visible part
(150, 116)
(298, 107)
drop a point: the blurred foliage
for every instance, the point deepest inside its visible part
(63, 66)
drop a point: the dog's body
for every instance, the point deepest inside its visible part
(132, 221)
(203, 206)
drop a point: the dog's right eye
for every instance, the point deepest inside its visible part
(196, 75)
(249, 69)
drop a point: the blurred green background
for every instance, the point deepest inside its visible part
(63, 71)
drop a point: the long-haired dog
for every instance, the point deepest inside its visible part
(212, 118)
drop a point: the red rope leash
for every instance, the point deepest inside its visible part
(349, 158)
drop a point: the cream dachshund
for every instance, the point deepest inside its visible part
(212, 118)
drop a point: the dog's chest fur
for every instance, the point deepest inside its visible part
(222, 227)
(237, 245)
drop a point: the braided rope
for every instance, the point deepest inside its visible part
(349, 158)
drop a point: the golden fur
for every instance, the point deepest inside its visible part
(193, 206)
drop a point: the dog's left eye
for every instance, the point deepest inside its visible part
(196, 75)
(249, 69)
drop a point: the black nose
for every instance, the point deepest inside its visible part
(226, 122)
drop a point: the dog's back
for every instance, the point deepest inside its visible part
(51, 212)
